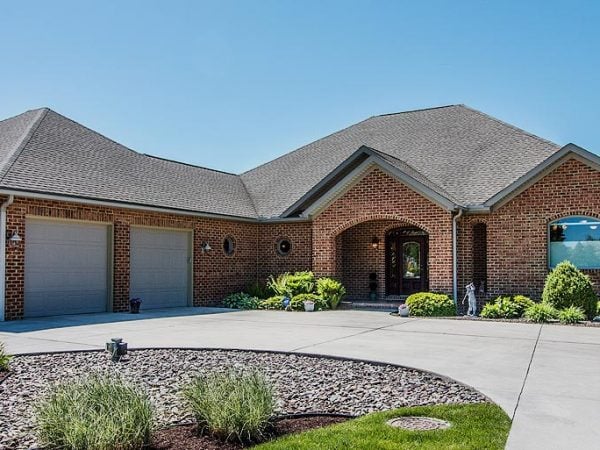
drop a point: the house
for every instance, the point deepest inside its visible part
(426, 200)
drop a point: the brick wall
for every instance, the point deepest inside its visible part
(379, 197)
(214, 273)
(270, 262)
(517, 231)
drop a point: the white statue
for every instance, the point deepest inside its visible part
(472, 311)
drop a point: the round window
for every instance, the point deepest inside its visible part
(229, 245)
(284, 246)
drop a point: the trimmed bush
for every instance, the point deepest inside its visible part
(430, 304)
(96, 413)
(567, 286)
(290, 285)
(275, 302)
(297, 303)
(541, 313)
(240, 300)
(506, 307)
(4, 359)
(571, 315)
(331, 291)
(232, 405)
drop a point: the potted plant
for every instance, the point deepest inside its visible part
(134, 305)
(403, 310)
(309, 305)
(373, 286)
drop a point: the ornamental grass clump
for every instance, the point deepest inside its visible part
(232, 406)
(4, 359)
(430, 304)
(96, 413)
(567, 286)
(571, 315)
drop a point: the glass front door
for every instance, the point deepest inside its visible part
(406, 261)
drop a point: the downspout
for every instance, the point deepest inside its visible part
(455, 255)
(3, 207)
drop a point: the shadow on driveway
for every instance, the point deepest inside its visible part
(46, 323)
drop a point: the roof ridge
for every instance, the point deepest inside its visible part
(419, 110)
(514, 127)
(174, 161)
(23, 113)
(18, 150)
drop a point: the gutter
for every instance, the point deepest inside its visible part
(455, 255)
(3, 207)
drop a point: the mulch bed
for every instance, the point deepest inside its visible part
(185, 437)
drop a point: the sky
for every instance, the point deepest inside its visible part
(232, 84)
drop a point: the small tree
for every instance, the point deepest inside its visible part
(567, 286)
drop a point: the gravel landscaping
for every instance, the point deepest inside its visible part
(303, 383)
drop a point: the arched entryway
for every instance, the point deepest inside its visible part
(406, 253)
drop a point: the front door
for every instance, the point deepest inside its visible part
(406, 261)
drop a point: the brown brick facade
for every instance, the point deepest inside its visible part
(299, 258)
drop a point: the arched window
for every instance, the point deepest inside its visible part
(575, 239)
(229, 245)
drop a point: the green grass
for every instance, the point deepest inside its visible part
(474, 426)
(95, 413)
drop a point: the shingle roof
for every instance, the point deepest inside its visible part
(64, 157)
(462, 154)
(469, 155)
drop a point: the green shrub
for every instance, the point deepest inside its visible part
(430, 304)
(331, 291)
(297, 303)
(491, 311)
(240, 300)
(292, 284)
(232, 405)
(258, 290)
(275, 302)
(541, 313)
(570, 315)
(96, 413)
(598, 308)
(507, 307)
(566, 286)
(4, 359)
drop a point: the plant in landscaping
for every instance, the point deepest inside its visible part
(232, 405)
(297, 303)
(430, 304)
(258, 290)
(241, 300)
(292, 284)
(275, 302)
(331, 291)
(571, 315)
(541, 313)
(97, 413)
(567, 286)
(4, 358)
(507, 307)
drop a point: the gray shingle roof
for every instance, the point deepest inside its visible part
(463, 154)
(469, 155)
(64, 157)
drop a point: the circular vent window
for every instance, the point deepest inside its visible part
(284, 246)
(229, 245)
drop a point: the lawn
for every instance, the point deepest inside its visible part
(474, 426)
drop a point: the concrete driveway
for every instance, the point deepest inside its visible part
(546, 377)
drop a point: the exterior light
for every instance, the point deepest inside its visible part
(205, 247)
(375, 242)
(116, 348)
(14, 238)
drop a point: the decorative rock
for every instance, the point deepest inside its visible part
(418, 423)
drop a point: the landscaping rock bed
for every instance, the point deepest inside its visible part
(303, 383)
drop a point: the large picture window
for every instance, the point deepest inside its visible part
(576, 239)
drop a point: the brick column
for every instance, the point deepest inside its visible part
(15, 265)
(121, 266)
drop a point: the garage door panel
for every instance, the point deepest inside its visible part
(160, 267)
(66, 268)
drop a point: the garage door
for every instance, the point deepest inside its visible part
(160, 267)
(66, 268)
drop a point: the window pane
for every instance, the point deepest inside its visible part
(576, 239)
(411, 255)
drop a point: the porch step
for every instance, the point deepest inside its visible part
(371, 306)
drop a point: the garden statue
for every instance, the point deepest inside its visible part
(472, 299)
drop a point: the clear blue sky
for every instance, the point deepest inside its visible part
(230, 85)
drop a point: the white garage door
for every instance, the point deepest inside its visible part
(160, 267)
(66, 267)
